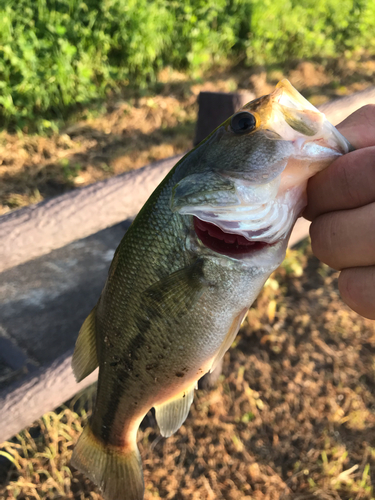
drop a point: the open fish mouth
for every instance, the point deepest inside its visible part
(242, 230)
(225, 243)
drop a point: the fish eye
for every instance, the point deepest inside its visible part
(243, 122)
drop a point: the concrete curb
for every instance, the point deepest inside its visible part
(46, 389)
(37, 229)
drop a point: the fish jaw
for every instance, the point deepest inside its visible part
(295, 119)
(256, 215)
(211, 242)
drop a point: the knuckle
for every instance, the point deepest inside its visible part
(348, 288)
(367, 117)
(323, 233)
(348, 184)
(346, 284)
(343, 286)
(351, 284)
(368, 111)
(357, 290)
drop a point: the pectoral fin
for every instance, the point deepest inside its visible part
(178, 293)
(229, 338)
(173, 413)
(85, 358)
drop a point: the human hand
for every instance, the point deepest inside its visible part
(341, 206)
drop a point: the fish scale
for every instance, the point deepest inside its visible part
(178, 290)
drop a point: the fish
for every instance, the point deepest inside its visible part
(187, 271)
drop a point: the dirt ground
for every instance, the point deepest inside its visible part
(292, 416)
(135, 129)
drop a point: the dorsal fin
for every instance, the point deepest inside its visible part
(85, 358)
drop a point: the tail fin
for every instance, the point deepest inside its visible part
(118, 474)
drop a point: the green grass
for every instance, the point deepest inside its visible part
(57, 54)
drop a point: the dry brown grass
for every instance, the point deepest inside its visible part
(130, 132)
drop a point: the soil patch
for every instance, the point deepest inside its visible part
(293, 416)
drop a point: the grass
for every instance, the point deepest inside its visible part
(40, 464)
(39, 456)
(57, 56)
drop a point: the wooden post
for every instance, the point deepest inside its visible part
(215, 108)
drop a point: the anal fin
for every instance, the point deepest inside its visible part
(173, 413)
(85, 358)
(229, 338)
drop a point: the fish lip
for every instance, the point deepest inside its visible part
(334, 144)
(229, 249)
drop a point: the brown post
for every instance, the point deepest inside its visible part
(215, 108)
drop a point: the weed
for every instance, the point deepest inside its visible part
(69, 169)
(59, 55)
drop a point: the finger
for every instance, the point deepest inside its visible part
(357, 289)
(346, 238)
(348, 183)
(359, 127)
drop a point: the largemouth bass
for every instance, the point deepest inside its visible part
(187, 271)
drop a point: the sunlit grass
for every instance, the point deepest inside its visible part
(38, 457)
(40, 464)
